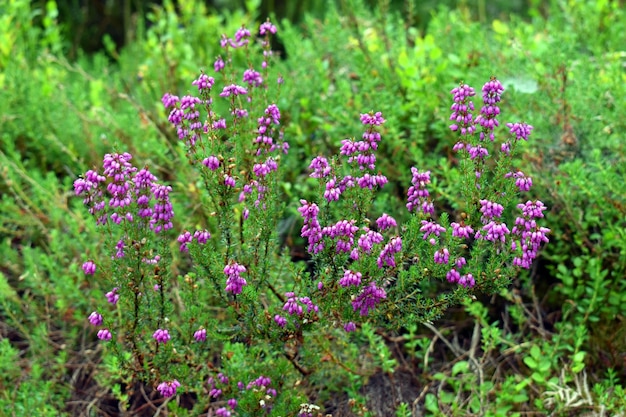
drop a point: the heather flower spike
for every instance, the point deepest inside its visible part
(462, 110)
(161, 336)
(168, 388)
(234, 282)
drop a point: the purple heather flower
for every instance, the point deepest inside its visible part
(385, 222)
(369, 297)
(144, 179)
(253, 78)
(531, 235)
(104, 334)
(223, 378)
(169, 100)
(350, 278)
(202, 236)
(229, 181)
(266, 28)
(372, 119)
(176, 117)
(418, 195)
(112, 296)
(461, 230)
(219, 64)
(342, 228)
(241, 35)
(234, 90)
(532, 209)
(211, 162)
(261, 382)
(224, 41)
(204, 82)
(117, 219)
(520, 130)
(462, 110)
(215, 392)
(95, 319)
(386, 256)
(272, 113)
(467, 281)
(371, 181)
(348, 147)
(490, 209)
(522, 182)
(493, 231)
(343, 231)
(219, 124)
(291, 305)
(459, 146)
(168, 388)
(163, 211)
(161, 336)
(264, 63)
(310, 306)
(505, 148)
(222, 412)
(308, 210)
(200, 335)
(311, 228)
(453, 276)
(367, 240)
(261, 170)
(232, 403)
(349, 327)
(280, 320)
(119, 169)
(332, 192)
(492, 90)
(184, 239)
(89, 268)
(477, 152)
(234, 282)
(88, 184)
(189, 103)
(461, 262)
(431, 228)
(320, 167)
(119, 246)
(442, 256)
(366, 160)
(239, 113)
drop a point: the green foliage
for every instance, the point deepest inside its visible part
(563, 72)
(361, 60)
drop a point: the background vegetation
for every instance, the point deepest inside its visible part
(554, 343)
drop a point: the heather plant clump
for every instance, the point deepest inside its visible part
(365, 266)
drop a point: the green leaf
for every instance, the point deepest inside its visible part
(446, 397)
(530, 362)
(537, 377)
(431, 404)
(535, 352)
(460, 367)
(6, 291)
(579, 356)
(499, 27)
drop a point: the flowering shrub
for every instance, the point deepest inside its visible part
(381, 271)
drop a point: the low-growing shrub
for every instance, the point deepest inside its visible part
(244, 295)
